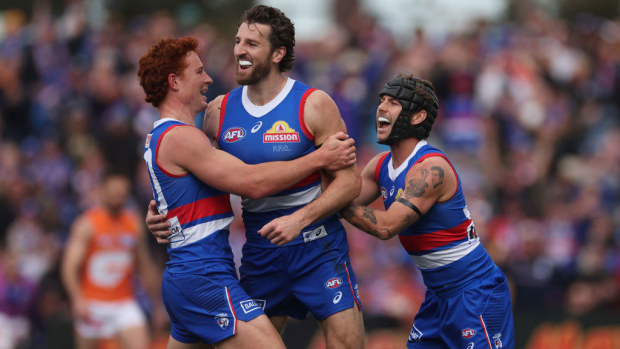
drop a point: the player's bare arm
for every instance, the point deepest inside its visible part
(186, 149)
(322, 119)
(75, 252)
(430, 181)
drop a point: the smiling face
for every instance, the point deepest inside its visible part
(388, 110)
(253, 53)
(193, 83)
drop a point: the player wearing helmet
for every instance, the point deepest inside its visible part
(467, 303)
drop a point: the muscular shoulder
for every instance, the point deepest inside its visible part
(432, 176)
(321, 116)
(371, 166)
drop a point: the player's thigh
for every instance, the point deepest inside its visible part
(256, 333)
(136, 337)
(344, 329)
(175, 344)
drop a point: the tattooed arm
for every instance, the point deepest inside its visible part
(427, 182)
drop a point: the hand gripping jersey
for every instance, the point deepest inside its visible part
(199, 215)
(273, 132)
(443, 243)
(109, 262)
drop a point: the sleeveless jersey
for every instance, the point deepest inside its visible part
(443, 242)
(199, 214)
(272, 132)
(110, 257)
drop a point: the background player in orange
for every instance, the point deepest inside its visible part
(105, 244)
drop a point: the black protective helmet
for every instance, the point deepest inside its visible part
(414, 95)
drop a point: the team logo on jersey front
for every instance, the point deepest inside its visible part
(234, 134)
(280, 132)
(147, 143)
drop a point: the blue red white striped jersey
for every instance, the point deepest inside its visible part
(199, 214)
(443, 242)
(275, 131)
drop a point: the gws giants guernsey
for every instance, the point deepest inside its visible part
(200, 215)
(109, 261)
(443, 243)
(272, 132)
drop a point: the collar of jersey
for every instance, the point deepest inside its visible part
(259, 110)
(392, 172)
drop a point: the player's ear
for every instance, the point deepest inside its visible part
(278, 54)
(172, 81)
(418, 117)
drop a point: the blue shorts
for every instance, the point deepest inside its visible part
(291, 280)
(205, 307)
(479, 313)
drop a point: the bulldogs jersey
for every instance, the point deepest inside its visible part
(272, 132)
(443, 242)
(199, 215)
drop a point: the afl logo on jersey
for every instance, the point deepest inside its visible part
(280, 132)
(234, 134)
(333, 283)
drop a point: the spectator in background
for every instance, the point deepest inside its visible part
(105, 245)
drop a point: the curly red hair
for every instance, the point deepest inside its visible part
(164, 58)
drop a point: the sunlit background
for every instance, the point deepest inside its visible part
(529, 93)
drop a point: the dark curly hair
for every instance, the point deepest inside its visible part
(282, 31)
(164, 58)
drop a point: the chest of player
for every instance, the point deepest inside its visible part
(116, 240)
(391, 190)
(276, 136)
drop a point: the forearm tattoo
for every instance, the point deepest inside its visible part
(367, 221)
(369, 214)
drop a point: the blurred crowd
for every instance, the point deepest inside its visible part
(529, 114)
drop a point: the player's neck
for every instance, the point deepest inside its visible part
(176, 111)
(402, 149)
(267, 89)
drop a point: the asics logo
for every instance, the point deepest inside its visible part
(256, 127)
(338, 297)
